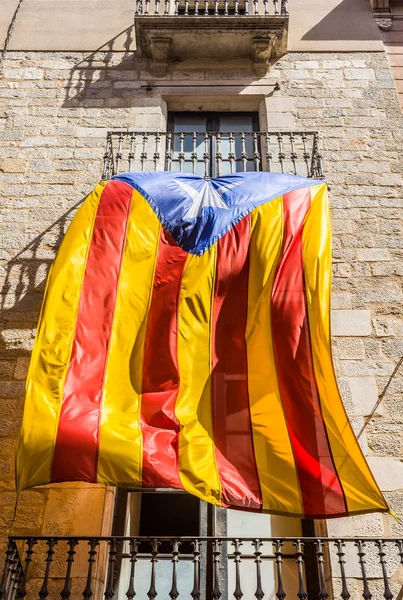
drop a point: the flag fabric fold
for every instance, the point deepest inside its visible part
(184, 342)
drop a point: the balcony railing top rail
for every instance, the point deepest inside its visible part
(202, 567)
(212, 8)
(212, 154)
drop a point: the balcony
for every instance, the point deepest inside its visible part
(170, 30)
(202, 567)
(213, 154)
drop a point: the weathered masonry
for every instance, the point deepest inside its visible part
(91, 87)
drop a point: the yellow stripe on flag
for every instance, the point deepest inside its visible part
(52, 349)
(120, 451)
(273, 451)
(360, 488)
(197, 464)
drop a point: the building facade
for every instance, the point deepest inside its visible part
(90, 87)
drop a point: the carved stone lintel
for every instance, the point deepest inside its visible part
(384, 24)
(161, 55)
(261, 53)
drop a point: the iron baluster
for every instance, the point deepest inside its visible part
(119, 152)
(44, 591)
(132, 150)
(157, 154)
(256, 7)
(152, 592)
(65, 593)
(293, 153)
(236, 8)
(186, 7)
(341, 554)
(134, 549)
(181, 155)
(216, 572)
(206, 3)
(166, 11)
(195, 593)
(146, 12)
(157, 7)
(299, 553)
(269, 154)
(266, 7)
(231, 154)
(143, 155)
(110, 584)
(280, 593)
(226, 8)
(15, 578)
(256, 153)
(399, 545)
(176, 7)
(323, 595)
(139, 7)
(305, 154)
(218, 155)
(361, 558)
(246, 7)
(244, 156)
(284, 7)
(168, 153)
(196, 8)
(11, 555)
(237, 559)
(387, 591)
(174, 593)
(275, 2)
(93, 543)
(316, 163)
(22, 588)
(193, 155)
(108, 160)
(216, 8)
(206, 155)
(259, 594)
(281, 155)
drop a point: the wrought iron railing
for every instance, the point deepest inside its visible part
(117, 567)
(212, 8)
(213, 154)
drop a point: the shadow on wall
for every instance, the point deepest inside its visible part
(333, 26)
(22, 292)
(87, 77)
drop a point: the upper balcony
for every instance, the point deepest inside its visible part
(171, 30)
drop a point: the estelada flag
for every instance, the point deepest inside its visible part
(184, 342)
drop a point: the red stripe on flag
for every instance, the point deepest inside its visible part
(230, 400)
(159, 425)
(77, 441)
(321, 491)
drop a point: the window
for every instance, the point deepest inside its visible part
(214, 144)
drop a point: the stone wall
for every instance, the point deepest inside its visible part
(54, 111)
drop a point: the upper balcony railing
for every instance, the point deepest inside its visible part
(213, 154)
(201, 568)
(213, 8)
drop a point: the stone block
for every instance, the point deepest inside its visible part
(13, 165)
(21, 368)
(388, 473)
(351, 323)
(33, 74)
(361, 394)
(383, 327)
(373, 254)
(350, 348)
(366, 367)
(362, 74)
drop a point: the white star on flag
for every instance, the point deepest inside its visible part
(207, 196)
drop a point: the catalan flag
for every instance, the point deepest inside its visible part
(184, 342)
